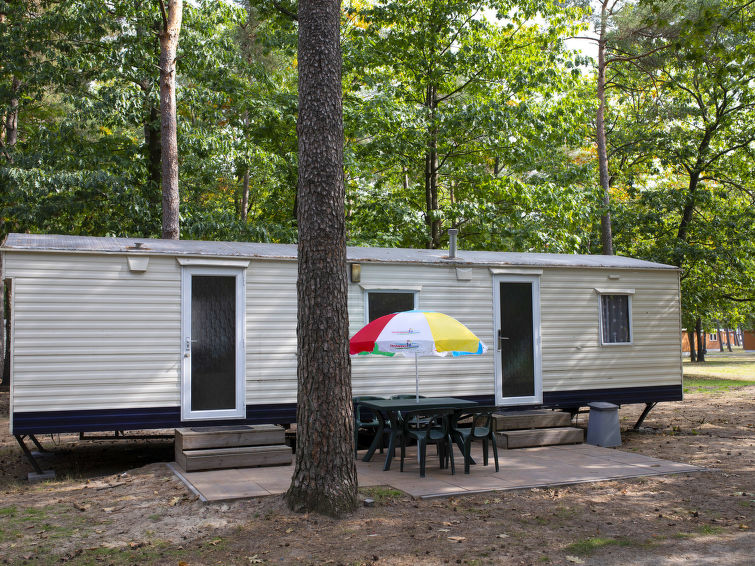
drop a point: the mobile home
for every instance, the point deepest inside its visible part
(130, 333)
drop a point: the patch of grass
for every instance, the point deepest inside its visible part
(713, 384)
(709, 530)
(381, 494)
(590, 545)
(34, 514)
(21, 523)
(147, 554)
(735, 366)
(565, 512)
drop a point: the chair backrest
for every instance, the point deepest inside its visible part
(425, 419)
(477, 417)
(406, 396)
(368, 414)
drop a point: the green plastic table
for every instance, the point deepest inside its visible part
(388, 410)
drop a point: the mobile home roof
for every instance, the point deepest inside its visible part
(194, 248)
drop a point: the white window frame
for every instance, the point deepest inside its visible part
(367, 290)
(629, 293)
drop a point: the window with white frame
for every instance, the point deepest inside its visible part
(387, 301)
(615, 318)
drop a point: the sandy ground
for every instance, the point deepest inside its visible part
(115, 502)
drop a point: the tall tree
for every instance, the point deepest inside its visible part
(172, 13)
(444, 96)
(324, 477)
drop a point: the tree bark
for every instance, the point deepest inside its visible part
(11, 121)
(720, 340)
(692, 352)
(606, 232)
(172, 11)
(728, 340)
(324, 479)
(245, 195)
(431, 173)
(700, 340)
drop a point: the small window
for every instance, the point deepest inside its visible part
(616, 319)
(713, 337)
(380, 303)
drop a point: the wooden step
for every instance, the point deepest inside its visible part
(197, 438)
(517, 420)
(540, 437)
(235, 457)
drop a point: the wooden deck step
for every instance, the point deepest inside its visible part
(539, 437)
(234, 457)
(516, 420)
(227, 436)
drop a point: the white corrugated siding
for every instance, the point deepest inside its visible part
(89, 334)
(468, 301)
(573, 357)
(271, 332)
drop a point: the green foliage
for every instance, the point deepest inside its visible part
(483, 89)
(83, 165)
(682, 151)
(485, 102)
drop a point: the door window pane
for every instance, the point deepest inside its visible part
(381, 303)
(516, 342)
(615, 319)
(213, 348)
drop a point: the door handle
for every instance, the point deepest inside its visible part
(501, 339)
(187, 349)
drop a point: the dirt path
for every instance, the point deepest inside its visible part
(105, 509)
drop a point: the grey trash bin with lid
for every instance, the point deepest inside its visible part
(603, 426)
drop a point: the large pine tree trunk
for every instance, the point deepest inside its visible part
(606, 231)
(431, 173)
(324, 479)
(172, 11)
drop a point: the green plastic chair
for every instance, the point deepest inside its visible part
(368, 420)
(479, 426)
(429, 427)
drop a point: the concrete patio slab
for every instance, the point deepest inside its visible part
(519, 469)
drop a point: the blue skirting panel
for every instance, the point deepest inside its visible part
(618, 396)
(48, 422)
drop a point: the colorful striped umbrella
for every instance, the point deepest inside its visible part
(416, 333)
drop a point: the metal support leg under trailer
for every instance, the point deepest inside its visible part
(648, 408)
(38, 474)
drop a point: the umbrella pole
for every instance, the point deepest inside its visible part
(416, 376)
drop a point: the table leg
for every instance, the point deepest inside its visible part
(392, 442)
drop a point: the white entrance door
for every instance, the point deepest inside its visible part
(213, 339)
(518, 371)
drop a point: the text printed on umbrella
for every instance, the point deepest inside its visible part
(408, 346)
